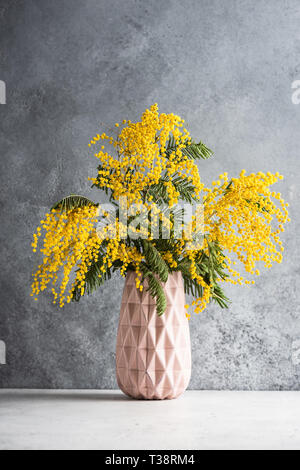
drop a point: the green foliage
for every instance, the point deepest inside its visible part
(155, 289)
(193, 151)
(181, 184)
(184, 187)
(159, 192)
(211, 268)
(95, 277)
(197, 151)
(155, 261)
(171, 146)
(73, 202)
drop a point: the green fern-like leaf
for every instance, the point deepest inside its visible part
(94, 279)
(197, 151)
(155, 289)
(183, 186)
(73, 202)
(155, 261)
(159, 191)
(193, 151)
(171, 146)
(210, 266)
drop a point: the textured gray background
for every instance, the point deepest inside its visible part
(227, 68)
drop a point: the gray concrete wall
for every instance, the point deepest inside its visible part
(225, 66)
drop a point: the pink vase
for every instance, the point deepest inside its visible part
(153, 353)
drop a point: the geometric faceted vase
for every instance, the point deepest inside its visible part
(153, 353)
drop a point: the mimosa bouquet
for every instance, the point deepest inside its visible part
(149, 173)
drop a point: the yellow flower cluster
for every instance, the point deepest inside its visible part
(70, 238)
(142, 157)
(242, 216)
(239, 216)
(201, 302)
(73, 241)
(168, 256)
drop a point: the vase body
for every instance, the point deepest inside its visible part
(153, 353)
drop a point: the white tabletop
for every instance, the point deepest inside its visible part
(109, 420)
